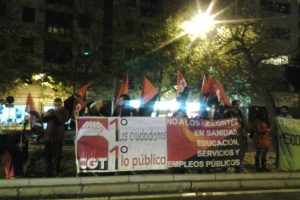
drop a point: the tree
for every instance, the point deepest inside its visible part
(234, 53)
(15, 61)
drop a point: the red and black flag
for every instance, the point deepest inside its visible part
(212, 92)
(82, 91)
(222, 97)
(148, 98)
(182, 90)
(77, 100)
(123, 90)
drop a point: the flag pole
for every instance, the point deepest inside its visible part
(158, 100)
(203, 82)
(113, 98)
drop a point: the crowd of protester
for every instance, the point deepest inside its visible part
(14, 147)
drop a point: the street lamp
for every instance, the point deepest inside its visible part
(201, 24)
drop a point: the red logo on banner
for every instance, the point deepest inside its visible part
(92, 146)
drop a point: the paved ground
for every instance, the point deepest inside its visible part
(290, 194)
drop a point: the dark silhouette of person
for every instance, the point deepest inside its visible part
(125, 110)
(54, 136)
(235, 112)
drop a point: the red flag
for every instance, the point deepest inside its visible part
(148, 98)
(81, 91)
(30, 104)
(77, 101)
(181, 84)
(148, 91)
(123, 90)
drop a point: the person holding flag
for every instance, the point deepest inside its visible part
(34, 119)
(212, 97)
(125, 110)
(54, 135)
(75, 104)
(122, 106)
(123, 90)
(182, 93)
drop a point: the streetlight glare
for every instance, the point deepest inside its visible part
(200, 24)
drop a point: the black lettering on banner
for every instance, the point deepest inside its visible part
(295, 140)
(124, 136)
(124, 122)
(291, 139)
(124, 149)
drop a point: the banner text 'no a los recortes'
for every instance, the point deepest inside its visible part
(198, 143)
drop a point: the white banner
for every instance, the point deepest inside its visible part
(121, 144)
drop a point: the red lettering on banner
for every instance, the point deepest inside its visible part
(146, 159)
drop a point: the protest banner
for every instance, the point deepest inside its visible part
(289, 143)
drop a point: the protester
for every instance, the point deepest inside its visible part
(235, 112)
(14, 153)
(210, 108)
(54, 136)
(261, 141)
(284, 112)
(93, 108)
(181, 99)
(36, 126)
(125, 110)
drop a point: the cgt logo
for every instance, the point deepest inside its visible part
(93, 163)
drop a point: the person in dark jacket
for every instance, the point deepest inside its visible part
(181, 99)
(125, 110)
(54, 136)
(235, 112)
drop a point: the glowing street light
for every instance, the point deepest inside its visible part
(200, 24)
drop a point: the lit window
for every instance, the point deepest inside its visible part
(280, 60)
